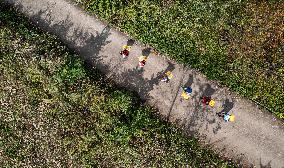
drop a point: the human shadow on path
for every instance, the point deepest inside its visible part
(146, 51)
(189, 82)
(227, 106)
(130, 42)
(209, 91)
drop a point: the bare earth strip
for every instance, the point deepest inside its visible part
(255, 138)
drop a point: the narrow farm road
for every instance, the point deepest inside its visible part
(255, 138)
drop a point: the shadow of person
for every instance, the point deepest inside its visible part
(130, 42)
(189, 82)
(227, 106)
(146, 51)
(209, 91)
(170, 68)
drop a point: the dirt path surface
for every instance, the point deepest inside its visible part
(255, 138)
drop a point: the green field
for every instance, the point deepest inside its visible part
(57, 112)
(238, 43)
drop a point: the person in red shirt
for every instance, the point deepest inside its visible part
(142, 61)
(125, 51)
(205, 100)
(126, 48)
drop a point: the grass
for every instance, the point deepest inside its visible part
(55, 112)
(239, 43)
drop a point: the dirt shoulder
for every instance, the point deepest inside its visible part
(256, 136)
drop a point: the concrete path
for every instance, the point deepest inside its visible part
(255, 138)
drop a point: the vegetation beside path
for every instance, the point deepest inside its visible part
(54, 112)
(239, 43)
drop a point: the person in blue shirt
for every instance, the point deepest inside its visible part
(125, 51)
(186, 92)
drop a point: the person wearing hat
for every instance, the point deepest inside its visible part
(168, 75)
(142, 61)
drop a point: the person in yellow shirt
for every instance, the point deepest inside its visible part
(125, 51)
(167, 77)
(142, 61)
(126, 48)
